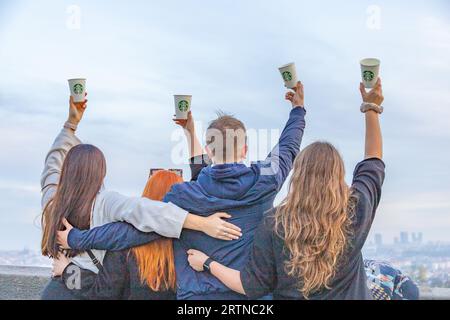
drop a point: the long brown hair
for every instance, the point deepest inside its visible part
(155, 260)
(315, 218)
(82, 175)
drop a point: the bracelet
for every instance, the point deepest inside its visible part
(366, 106)
(69, 125)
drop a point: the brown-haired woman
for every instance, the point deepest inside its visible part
(310, 245)
(72, 189)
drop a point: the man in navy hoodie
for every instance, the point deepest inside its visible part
(228, 185)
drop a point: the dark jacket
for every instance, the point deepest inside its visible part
(118, 279)
(265, 272)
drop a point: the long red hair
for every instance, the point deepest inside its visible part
(155, 260)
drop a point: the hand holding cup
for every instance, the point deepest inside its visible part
(186, 124)
(375, 95)
(76, 110)
(297, 96)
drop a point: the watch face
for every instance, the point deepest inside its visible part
(206, 265)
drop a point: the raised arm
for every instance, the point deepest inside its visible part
(198, 159)
(280, 160)
(195, 148)
(54, 160)
(374, 141)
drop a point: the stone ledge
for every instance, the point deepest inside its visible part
(22, 283)
(26, 283)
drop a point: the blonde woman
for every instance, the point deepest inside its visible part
(309, 247)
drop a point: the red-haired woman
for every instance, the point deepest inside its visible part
(146, 272)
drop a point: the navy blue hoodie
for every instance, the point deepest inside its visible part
(244, 192)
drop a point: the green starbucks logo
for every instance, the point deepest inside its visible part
(368, 76)
(287, 76)
(183, 105)
(78, 88)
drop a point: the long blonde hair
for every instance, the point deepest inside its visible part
(315, 218)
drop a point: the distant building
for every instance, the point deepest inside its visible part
(378, 239)
(417, 237)
(404, 237)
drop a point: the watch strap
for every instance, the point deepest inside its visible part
(207, 264)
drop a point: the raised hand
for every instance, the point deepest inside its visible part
(297, 97)
(375, 95)
(195, 148)
(76, 110)
(187, 124)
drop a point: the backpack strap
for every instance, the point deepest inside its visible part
(94, 259)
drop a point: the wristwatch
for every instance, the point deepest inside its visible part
(206, 265)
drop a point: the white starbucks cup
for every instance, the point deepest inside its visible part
(182, 106)
(289, 75)
(77, 89)
(370, 71)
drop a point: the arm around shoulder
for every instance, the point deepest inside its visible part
(112, 237)
(144, 214)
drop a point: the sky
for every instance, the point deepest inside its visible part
(137, 54)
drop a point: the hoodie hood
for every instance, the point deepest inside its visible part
(223, 186)
(230, 181)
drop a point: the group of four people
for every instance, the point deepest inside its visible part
(217, 236)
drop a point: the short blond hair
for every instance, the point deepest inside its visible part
(225, 136)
